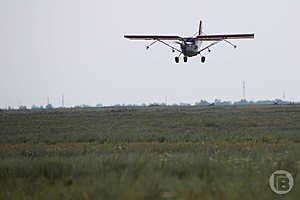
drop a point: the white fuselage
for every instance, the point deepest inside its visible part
(190, 48)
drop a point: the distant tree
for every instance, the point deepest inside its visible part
(34, 107)
(222, 103)
(154, 104)
(202, 102)
(226, 103)
(218, 101)
(185, 104)
(99, 105)
(280, 101)
(84, 106)
(22, 108)
(264, 102)
(241, 102)
(49, 106)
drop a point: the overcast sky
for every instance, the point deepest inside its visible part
(77, 48)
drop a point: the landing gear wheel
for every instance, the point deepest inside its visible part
(177, 59)
(185, 59)
(203, 59)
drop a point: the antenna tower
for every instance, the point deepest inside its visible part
(63, 100)
(244, 90)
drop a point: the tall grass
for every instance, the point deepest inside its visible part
(148, 153)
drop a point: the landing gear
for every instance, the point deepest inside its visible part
(203, 59)
(185, 59)
(177, 59)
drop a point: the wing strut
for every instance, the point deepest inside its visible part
(207, 47)
(158, 40)
(147, 47)
(173, 48)
(234, 46)
(214, 43)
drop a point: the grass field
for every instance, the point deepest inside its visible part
(221, 152)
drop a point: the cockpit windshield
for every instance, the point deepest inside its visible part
(189, 41)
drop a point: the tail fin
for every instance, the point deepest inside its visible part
(200, 28)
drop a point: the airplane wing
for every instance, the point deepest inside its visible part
(152, 37)
(224, 37)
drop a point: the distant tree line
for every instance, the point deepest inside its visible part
(202, 102)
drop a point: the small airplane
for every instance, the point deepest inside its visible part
(190, 46)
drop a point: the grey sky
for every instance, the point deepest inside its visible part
(76, 47)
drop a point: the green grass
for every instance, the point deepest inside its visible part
(226, 152)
